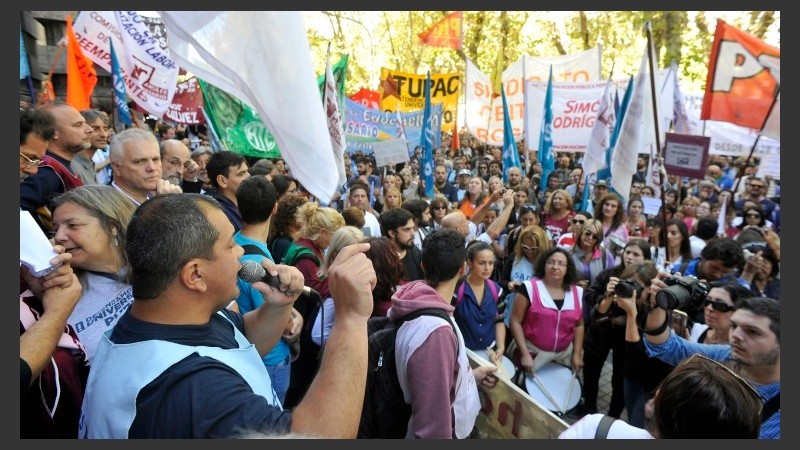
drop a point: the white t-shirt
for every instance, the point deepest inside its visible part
(371, 225)
(586, 428)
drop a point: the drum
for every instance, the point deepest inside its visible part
(508, 366)
(554, 383)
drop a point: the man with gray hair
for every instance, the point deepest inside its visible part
(177, 165)
(136, 165)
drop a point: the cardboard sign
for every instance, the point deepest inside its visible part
(686, 155)
(508, 412)
(392, 151)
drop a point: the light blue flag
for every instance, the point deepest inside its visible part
(585, 198)
(24, 67)
(545, 154)
(427, 140)
(510, 153)
(120, 98)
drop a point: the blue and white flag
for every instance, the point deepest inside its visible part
(545, 154)
(605, 172)
(120, 97)
(510, 153)
(427, 140)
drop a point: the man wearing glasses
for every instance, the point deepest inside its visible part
(54, 175)
(754, 349)
(178, 167)
(756, 191)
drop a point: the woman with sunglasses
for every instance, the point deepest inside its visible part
(717, 311)
(440, 207)
(590, 258)
(557, 213)
(610, 211)
(567, 240)
(482, 170)
(752, 217)
(606, 331)
(547, 317)
(677, 248)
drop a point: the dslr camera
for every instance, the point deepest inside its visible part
(686, 293)
(628, 288)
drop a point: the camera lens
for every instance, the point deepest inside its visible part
(624, 289)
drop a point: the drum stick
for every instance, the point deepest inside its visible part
(546, 392)
(569, 392)
(498, 364)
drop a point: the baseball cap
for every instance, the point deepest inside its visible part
(464, 172)
(601, 183)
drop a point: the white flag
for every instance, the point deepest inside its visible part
(600, 140)
(626, 151)
(263, 59)
(722, 219)
(681, 123)
(335, 124)
(772, 126)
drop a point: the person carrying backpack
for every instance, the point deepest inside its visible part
(477, 301)
(432, 368)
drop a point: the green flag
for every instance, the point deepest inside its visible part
(340, 73)
(238, 126)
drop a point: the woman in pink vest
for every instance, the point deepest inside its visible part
(547, 317)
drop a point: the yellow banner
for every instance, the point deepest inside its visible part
(405, 92)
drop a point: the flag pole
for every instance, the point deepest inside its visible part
(650, 50)
(758, 136)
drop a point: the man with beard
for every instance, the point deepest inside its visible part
(421, 210)
(754, 349)
(398, 225)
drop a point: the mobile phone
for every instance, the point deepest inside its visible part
(679, 321)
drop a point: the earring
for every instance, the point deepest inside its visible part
(116, 242)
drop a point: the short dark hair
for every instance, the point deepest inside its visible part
(256, 198)
(766, 307)
(416, 207)
(724, 249)
(220, 163)
(706, 228)
(443, 255)
(37, 121)
(393, 219)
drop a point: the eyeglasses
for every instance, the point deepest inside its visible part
(529, 248)
(31, 163)
(756, 215)
(591, 235)
(749, 387)
(553, 263)
(756, 185)
(578, 221)
(439, 207)
(718, 305)
(177, 162)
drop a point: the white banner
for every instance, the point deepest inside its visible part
(484, 113)
(575, 108)
(149, 71)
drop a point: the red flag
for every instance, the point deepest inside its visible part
(743, 78)
(444, 33)
(368, 98)
(81, 76)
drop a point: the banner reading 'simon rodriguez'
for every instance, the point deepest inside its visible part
(405, 92)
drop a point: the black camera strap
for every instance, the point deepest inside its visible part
(771, 406)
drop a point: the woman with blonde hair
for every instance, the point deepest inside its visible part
(688, 211)
(557, 213)
(589, 255)
(474, 197)
(392, 198)
(91, 222)
(341, 238)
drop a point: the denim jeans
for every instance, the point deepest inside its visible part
(279, 376)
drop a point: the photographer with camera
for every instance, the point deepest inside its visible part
(606, 331)
(761, 269)
(718, 261)
(754, 338)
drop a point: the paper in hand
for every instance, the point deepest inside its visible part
(35, 250)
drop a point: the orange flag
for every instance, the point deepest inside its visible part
(444, 33)
(81, 76)
(743, 78)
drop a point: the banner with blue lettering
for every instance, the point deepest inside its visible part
(366, 126)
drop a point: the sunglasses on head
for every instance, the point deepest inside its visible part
(718, 305)
(529, 248)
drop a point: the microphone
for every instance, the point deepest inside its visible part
(252, 272)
